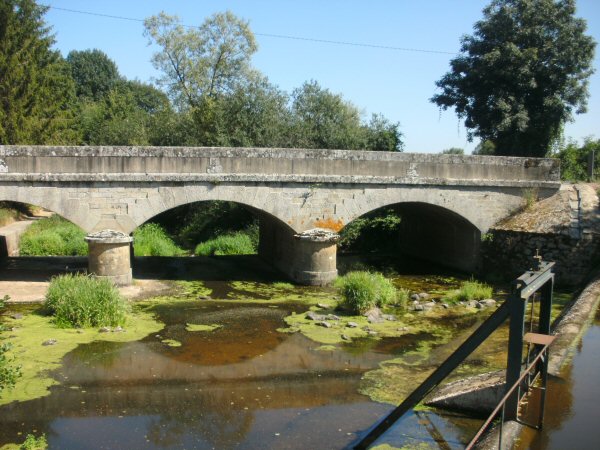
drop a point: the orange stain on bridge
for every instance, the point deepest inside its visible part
(329, 223)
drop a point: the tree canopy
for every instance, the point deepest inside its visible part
(36, 90)
(94, 73)
(520, 75)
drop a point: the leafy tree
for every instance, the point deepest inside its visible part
(521, 75)
(206, 61)
(94, 73)
(382, 135)
(453, 151)
(36, 90)
(322, 119)
(485, 148)
(574, 160)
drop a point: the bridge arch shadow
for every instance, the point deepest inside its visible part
(203, 220)
(430, 233)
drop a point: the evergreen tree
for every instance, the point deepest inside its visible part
(36, 90)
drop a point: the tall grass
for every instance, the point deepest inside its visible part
(81, 301)
(53, 236)
(239, 243)
(7, 216)
(362, 291)
(469, 290)
(152, 240)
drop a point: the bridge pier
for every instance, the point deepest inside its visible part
(306, 258)
(109, 256)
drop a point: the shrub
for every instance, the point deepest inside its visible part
(7, 216)
(152, 240)
(53, 236)
(33, 443)
(469, 290)
(362, 291)
(238, 243)
(82, 301)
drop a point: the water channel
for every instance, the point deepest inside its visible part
(223, 370)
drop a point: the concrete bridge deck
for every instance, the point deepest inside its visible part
(447, 201)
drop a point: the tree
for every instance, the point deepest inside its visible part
(36, 90)
(453, 151)
(485, 148)
(382, 135)
(322, 119)
(94, 73)
(574, 159)
(200, 62)
(521, 75)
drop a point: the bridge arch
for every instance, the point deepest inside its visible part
(434, 233)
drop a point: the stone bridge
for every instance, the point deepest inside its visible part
(447, 201)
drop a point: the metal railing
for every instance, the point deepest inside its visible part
(541, 358)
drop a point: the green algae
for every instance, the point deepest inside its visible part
(37, 361)
(326, 348)
(171, 342)
(192, 327)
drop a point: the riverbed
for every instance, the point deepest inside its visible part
(222, 368)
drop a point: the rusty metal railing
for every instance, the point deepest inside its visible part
(540, 359)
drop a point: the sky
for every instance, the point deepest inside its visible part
(405, 47)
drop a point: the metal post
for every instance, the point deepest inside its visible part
(546, 307)
(515, 351)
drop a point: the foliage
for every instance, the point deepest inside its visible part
(574, 160)
(453, 151)
(485, 148)
(530, 197)
(229, 244)
(33, 443)
(376, 231)
(82, 301)
(93, 72)
(520, 75)
(362, 291)
(207, 60)
(36, 89)
(151, 240)
(7, 214)
(469, 290)
(53, 236)
(9, 373)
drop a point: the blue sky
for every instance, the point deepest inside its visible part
(396, 83)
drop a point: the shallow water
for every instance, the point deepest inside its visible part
(573, 402)
(242, 385)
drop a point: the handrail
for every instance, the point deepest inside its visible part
(508, 394)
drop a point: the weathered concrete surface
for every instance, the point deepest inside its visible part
(120, 188)
(565, 228)
(109, 256)
(10, 237)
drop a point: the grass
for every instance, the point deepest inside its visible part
(53, 236)
(530, 197)
(80, 301)
(362, 291)
(469, 290)
(152, 240)
(238, 243)
(8, 216)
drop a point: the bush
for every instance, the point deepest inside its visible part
(469, 290)
(238, 243)
(152, 240)
(53, 236)
(33, 443)
(362, 291)
(82, 301)
(7, 216)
